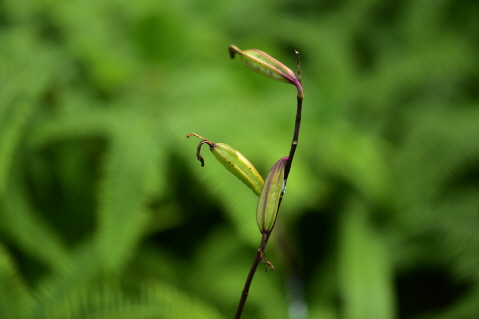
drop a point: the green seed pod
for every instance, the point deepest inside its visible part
(234, 162)
(269, 198)
(264, 64)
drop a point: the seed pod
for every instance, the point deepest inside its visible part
(271, 193)
(234, 162)
(264, 64)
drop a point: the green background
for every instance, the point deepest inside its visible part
(106, 213)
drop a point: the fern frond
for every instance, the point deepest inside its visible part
(107, 299)
(16, 297)
(125, 189)
(28, 230)
(20, 94)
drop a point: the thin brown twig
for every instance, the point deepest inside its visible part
(260, 254)
(249, 279)
(264, 240)
(294, 143)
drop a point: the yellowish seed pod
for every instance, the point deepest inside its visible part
(234, 162)
(273, 188)
(238, 165)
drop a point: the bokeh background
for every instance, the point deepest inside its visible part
(106, 213)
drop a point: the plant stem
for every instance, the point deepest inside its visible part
(249, 279)
(265, 236)
(294, 143)
(260, 255)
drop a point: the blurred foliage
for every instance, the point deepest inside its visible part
(105, 212)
